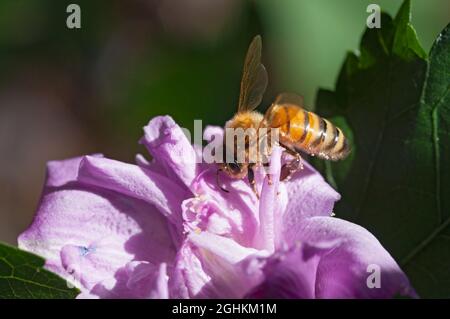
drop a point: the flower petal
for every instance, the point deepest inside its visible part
(345, 272)
(239, 205)
(170, 147)
(63, 172)
(221, 258)
(136, 182)
(87, 234)
(291, 272)
(209, 267)
(269, 204)
(187, 277)
(225, 248)
(138, 279)
(308, 195)
(148, 281)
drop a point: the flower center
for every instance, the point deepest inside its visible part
(200, 213)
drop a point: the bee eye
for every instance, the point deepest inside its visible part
(234, 167)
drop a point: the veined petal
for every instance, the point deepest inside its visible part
(88, 234)
(136, 182)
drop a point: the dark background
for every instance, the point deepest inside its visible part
(66, 92)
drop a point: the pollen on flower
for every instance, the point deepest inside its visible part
(201, 213)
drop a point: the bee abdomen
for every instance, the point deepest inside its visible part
(308, 132)
(331, 142)
(320, 137)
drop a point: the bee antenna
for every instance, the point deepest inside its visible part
(218, 182)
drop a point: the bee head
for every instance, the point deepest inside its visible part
(235, 169)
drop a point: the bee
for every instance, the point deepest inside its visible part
(299, 131)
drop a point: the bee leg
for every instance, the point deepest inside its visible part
(288, 169)
(289, 150)
(297, 162)
(252, 182)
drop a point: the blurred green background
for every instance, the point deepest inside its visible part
(68, 92)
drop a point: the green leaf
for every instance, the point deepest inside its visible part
(395, 101)
(22, 276)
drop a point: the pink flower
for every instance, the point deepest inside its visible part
(164, 229)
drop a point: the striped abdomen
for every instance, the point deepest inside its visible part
(308, 132)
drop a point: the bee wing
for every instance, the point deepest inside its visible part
(289, 98)
(283, 99)
(254, 78)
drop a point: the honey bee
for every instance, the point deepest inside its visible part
(300, 131)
